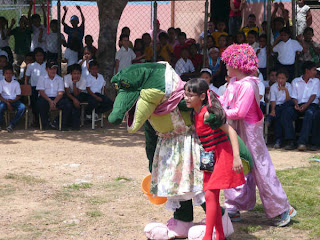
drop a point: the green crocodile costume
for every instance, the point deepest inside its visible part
(151, 94)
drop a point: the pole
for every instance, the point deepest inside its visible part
(173, 8)
(48, 17)
(206, 14)
(155, 28)
(59, 36)
(268, 32)
(34, 7)
(294, 22)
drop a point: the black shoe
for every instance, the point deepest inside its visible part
(302, 147)
(277, 144)
(312, 148)
(290, 146)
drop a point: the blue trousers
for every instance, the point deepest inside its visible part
(100, 107)
(234, 25)
(278, 128)
(315, 140)
(290, 114)
(18, 106)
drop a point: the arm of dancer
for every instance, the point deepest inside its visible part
(245, 98)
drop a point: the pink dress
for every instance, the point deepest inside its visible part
(240, 102)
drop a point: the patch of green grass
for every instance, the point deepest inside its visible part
(250, 228)
(6, 190)
(78, 186)
(122, 178)
(94, 213)
(258, 208)
(302, 186)
(96, 200)
(26, 179)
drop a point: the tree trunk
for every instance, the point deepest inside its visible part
(109, 16)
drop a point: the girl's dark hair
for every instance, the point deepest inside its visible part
(136, 42)
(283, 71)
(199, 86)
(75, 67)
(39, 50)
(88, 49)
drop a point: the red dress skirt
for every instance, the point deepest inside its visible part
(216, 140)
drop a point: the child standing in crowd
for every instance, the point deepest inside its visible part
(184, 65)
(147, 46)
(164, 49)
(22, 40)
(241, 103)
(240, 38)
(280, 98)
(89, 43)
(182, 37)
(195, 57)
(52, 41)
(4, 38)
(84, 62)
(305, 95)
(311, 49)
(251, 25)
(222, 44)
(3, 64)
(126, 31)
(124, 55)
(213, 61)
(95, 85)
(261, 52)
(34, 72)
(221, 26)
(10, 98)
(138, 50)
(75, 85)
(38, 30)
(206, 74)
(286, 49)
(213, 131)
(252, 37)
(304, 17)
(27, 61)
(172, 37)
(235, 17)
(75, 36)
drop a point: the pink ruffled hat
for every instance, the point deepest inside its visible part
(242, 57)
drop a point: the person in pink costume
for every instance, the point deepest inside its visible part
(241, 104)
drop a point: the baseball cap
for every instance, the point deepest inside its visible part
(318, 69)
(206, 70)
(74, 18)
(51, 64)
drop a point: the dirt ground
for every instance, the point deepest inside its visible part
(86, 185)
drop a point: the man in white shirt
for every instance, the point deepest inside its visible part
(51, 90)
(52, 41)
(286, 49)
(125, 55)
(75, 86)
(10, 97)
(305, 94)
(95, 85)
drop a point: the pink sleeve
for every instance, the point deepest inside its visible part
(243, 102)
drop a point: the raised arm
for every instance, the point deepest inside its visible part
(82, 16)
(44, 15)
(64, 15)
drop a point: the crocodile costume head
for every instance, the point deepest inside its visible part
(141, 89)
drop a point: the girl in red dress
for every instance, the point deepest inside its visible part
(213, 131)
